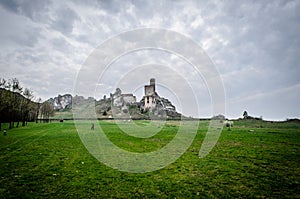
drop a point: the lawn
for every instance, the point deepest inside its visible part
(254, 159)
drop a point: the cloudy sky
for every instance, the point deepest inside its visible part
(254, 45)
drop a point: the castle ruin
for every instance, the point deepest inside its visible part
(152, 102)
(150, 96)
(120, 100)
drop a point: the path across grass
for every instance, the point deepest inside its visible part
(252, 160)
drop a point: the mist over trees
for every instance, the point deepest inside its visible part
(18, 104)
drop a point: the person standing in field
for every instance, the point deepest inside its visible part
(4, 132)
(93, 126)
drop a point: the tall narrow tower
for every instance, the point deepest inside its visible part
(150, 89)
(152, 82)
(150, 95)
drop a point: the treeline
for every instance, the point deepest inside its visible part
(18, 105)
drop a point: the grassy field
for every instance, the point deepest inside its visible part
(254, 160)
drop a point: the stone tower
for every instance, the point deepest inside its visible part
(152, 82)
(150, 95)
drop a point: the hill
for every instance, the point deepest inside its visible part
(63, 105)
(117, 105)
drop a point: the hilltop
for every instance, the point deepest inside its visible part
(117, 104)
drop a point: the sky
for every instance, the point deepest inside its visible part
(253, 45)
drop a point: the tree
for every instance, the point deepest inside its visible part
(15, 104)
(26, 105)
(46, 111)
(3, 104)
(9, 99)
(38, 110)
(245, 115)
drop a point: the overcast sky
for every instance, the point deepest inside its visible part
(254, 45)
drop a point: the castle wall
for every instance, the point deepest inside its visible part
(118, 100)
(129, 98)
(149, 90)
(149, 102)
(152, 82)
(149, 98)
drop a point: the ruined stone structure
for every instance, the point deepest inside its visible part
(150, 96)
(119, 103)
(119, 99)
(152, 102)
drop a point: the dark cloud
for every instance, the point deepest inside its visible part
(33, 9)
(64, 19)
(10, 5)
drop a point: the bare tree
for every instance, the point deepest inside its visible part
(26, 106)
(16, 105)
(2, 100)
(38, 106)
(9, 99)
(46, 111)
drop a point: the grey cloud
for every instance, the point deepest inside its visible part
(10, 5)
(33, 9)
(254, 44)
(17, 30)
(64, 19)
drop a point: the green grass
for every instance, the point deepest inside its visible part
(49, 160)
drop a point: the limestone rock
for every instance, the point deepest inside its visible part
(61, 102)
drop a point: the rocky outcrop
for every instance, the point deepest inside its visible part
(61, 102)
(64, 102)
(119, 99)
(153, 103)
(162, 107)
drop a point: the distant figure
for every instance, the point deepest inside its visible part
(4, 132)
(93, 126)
